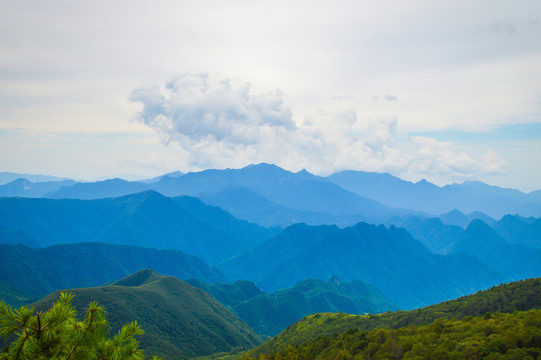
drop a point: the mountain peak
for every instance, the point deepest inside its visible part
(334, 280)
(139, 278)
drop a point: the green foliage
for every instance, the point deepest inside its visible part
(269, 314)
(497, 336)
(58, 334)
(180, 321)
(507, 298)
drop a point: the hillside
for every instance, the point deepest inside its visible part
(44, 270)
(507, 298)
(387, 258)
(145, 219)
(179, 321)
(269, 314)
(498, 336)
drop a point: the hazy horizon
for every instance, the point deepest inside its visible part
(442, 91)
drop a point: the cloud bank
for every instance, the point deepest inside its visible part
(227, 125)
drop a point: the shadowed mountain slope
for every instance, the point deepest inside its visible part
(268, 314)
(146, 219)
(389, 259)
(512, 260)
(44, 270)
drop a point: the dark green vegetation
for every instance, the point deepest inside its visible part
(145, 219)
(388, 258)
(13, 296)
(40, 271)
(57, 334)
(180, 321)
(507, 298)
(268, 314)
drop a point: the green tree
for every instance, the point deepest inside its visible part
(58, 334)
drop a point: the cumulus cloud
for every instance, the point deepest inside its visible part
(222, 125)
(195, 110)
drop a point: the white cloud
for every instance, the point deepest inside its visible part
(221, 124)
(194, 110)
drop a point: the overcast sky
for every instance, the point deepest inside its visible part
(443, 90)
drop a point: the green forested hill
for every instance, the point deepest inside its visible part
(498, 336)
(268, 314)
(507, 298)
(179, 321)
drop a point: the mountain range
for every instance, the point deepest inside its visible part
(269, 314)
(146, 219)
(346, 197)
(389, 258)
(37, 272)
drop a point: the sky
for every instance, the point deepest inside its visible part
(446, 91)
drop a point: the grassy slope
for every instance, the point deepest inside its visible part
(180, 321)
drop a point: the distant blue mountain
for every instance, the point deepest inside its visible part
(25, 188)
(16, 237)
(512, 260)
(98, 190)
(520, 230)
(248, 205)
(432, 232)
(146, 219)
(273, 195)
(390, 259)
(426, 197)
(7, 177)
(173, 174)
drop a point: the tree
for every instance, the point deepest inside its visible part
(58, 334)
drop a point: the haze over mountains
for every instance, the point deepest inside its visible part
(270, 245)
(354, 194)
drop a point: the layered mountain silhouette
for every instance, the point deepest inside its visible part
(146, 219)
(514, 260)
(269, 314)
(25, 188)
(388, 258)
(179, 321)
(271, 194)
(423, 196)
(520, 230)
